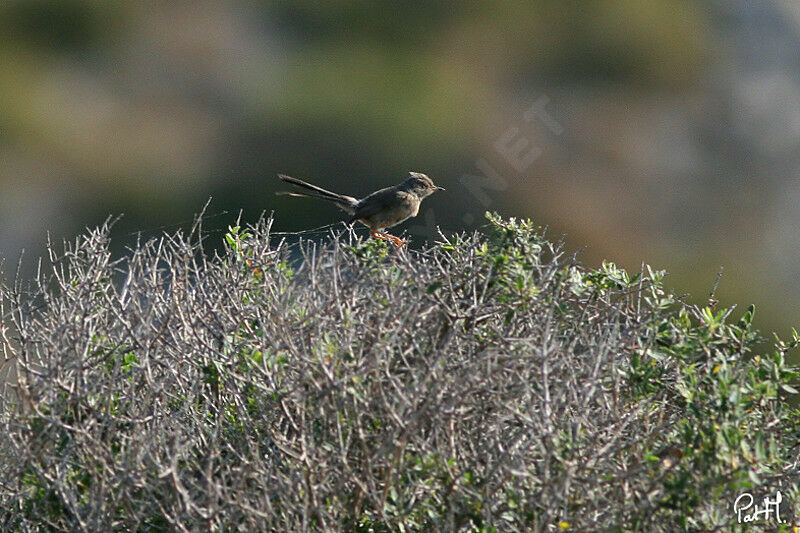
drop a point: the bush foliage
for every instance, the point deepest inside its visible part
(482, 383)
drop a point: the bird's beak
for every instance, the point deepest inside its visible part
(440, 188)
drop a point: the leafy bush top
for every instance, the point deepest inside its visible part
(483, 383)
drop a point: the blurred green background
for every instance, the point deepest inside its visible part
(653, 131)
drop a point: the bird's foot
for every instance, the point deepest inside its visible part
(398, 242)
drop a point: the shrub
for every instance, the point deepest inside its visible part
(482, 383)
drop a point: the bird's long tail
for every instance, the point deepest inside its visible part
(347, 203)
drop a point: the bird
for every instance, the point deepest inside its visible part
(380, 210)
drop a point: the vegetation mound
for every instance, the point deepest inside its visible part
(486, 382)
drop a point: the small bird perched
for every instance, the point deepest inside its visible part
(380, 210)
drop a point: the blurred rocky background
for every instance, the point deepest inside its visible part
(656, 131)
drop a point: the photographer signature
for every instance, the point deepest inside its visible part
(746, 511)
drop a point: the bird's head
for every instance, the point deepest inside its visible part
(420, 184)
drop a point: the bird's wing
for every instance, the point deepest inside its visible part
(377, 202)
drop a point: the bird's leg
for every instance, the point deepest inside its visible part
(398, 242)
